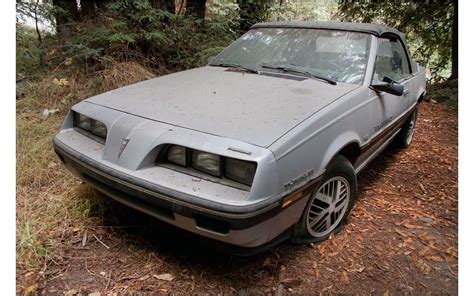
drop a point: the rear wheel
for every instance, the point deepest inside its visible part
(329, 204)
(405, 136)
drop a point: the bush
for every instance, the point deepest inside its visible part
(134, 31)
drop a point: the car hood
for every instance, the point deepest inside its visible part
(257, 109)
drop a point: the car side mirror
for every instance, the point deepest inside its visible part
(388, 85)
(210, 59)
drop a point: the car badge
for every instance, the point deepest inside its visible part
(123, 146)
(239, 150)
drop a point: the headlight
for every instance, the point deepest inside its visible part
(177, 155)
(98, 128)
(207, 162)
(229, 169)
(240, 171)
(82, 121)
(93, 126)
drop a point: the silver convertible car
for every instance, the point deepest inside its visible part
(262, 144)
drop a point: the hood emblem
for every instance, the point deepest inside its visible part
(123, 146)
(239, 150)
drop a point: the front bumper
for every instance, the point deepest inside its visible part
(249, 227)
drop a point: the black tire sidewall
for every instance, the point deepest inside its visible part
(402, 140)
(339, 166)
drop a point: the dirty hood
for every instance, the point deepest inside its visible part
(256, 109)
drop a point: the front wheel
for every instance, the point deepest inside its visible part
(329, 204)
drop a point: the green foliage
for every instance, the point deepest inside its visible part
(134, 30)
(29, 56)
(445, 92)
(427, 26)
(253, 11)
(303, 10)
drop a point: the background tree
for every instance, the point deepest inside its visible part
(196, 8)
(430, 26)
(252, 12)
(66, 11)
(166, 5)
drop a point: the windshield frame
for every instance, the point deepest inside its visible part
(369, 60)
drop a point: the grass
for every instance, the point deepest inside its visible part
(50, 201)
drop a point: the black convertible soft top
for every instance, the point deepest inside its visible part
(374, 29)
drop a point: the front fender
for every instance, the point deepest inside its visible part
(338, 144)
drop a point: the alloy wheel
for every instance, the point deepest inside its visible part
(328, 206)
(411, 128)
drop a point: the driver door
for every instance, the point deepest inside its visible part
(391, 61)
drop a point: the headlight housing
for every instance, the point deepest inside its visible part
(98, 128)
(92, 126)
(82, 121)
(207, 162)
(227, 168)
(177, 155)
(240, 171)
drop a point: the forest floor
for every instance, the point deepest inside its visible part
(401, 237)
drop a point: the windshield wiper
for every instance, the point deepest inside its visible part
(237, 66)
(299, 71)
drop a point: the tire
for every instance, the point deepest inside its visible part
(405, 136)
(339, 172)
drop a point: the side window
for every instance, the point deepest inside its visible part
(391, 60)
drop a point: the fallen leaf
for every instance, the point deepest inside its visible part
(71, 292)
(326, 289)
(422, 188)
(435, 258)
(28, 274)
(164, 277)
(84, 239)
(291, 282)
(60, 82)
(30, 290)
(344, 276)
(451, 269)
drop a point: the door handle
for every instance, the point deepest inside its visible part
(406, 92)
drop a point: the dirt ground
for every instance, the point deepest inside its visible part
(401, 238)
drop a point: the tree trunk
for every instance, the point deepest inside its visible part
(245, 12)
(87, 9)
(196, 8)
(40, 40)
(69, 12)
(251, 12)
(454, 43)
(101, 3)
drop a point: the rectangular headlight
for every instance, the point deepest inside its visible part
(98, 128)
(240, 170)
(82, 121)
(177, 155)
(93, 126)
(207, 162)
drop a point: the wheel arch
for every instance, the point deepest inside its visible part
(347, 145)
(421, 97)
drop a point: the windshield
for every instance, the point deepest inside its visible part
(330, 54)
